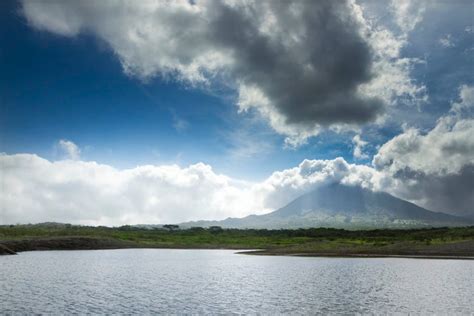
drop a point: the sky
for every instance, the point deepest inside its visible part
(132, 112)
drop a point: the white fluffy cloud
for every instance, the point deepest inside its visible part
(359, 145)
(283, 186)
(69, 149)
(301, 65)
(37, 190)
(445, 149)
(435, 169)
(466, 105)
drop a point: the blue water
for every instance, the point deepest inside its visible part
(144, 281)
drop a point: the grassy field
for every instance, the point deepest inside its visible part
(314, 241)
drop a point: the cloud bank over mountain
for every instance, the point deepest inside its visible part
(433, 169)
(301, 65)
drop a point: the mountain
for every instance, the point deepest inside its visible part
(342, 206)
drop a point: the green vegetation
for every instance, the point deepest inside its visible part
(313, 241)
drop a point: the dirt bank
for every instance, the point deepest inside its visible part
(63, 243)
(454, 250)
(4, 250)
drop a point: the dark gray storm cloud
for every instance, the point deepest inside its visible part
(450, 193)
(309, 67)
(306, 59)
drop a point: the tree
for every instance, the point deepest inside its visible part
(171, 227)
(215, 229)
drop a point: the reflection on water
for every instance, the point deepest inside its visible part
(219, 281)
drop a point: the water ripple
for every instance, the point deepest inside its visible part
(148, 281)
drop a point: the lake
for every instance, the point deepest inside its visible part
(220, 281)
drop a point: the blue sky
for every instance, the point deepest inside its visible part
(120, 91)
(60, 88)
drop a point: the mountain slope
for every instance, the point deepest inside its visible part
(343, 206)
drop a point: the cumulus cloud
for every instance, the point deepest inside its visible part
(69, 149)
(435, 169)
(35, 190)
(359, 145)
(301, 65)
(82, 192)
(445, 149)
(465, 107)
(284, 186)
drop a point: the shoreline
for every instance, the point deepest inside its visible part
(15, 246)
(356, 255)
(12, 247)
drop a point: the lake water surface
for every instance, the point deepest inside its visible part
(144, 281)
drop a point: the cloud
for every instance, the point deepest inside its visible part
(302, 65)
(82, 192)
(446, 41)
(408, 13)
(284, 186)
(435, 169)
(247, 142)
(180, 124)
(359, 145)
(70, 150)
(393, 82)
(465, 107)
(445, 149)
(36, 190)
